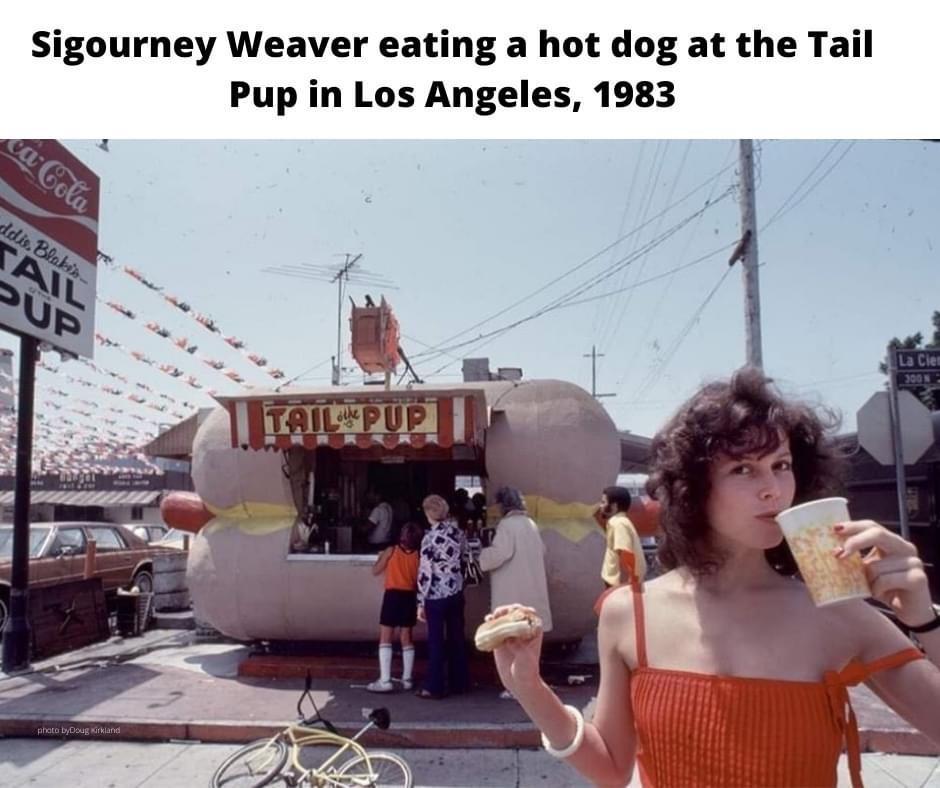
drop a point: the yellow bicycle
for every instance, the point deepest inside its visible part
(348, 766)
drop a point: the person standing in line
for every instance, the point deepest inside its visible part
(461, 508)
(441, 602)
(624, 561)
(399, 606)
(516, 561)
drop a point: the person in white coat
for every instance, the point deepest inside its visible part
(516, 559)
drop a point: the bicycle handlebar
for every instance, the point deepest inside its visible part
(379, 717)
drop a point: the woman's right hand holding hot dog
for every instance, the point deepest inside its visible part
(517, 660)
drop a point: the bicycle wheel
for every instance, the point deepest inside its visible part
(252, 766)
(379, 769)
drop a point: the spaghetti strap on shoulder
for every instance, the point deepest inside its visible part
(894, 660)
(856, 672)
(837, 683)
(639, 618)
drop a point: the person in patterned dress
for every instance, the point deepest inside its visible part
(440, 601)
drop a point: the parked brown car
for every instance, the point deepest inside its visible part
(57, 554)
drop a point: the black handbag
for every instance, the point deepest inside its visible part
(472, 574)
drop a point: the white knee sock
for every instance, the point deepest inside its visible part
(385, 662)
(408, 662)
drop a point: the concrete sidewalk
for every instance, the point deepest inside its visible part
(93, 764)
(165, 686)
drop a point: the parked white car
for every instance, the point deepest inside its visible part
(149, 532)
(174, 538)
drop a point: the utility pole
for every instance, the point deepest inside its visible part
(746, 251)
(341, 276)
(594, 355)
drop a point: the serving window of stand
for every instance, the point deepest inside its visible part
(343, 456)
(349, 482)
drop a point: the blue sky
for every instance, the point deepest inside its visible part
(466, 229)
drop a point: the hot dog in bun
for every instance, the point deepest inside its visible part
(519, 622)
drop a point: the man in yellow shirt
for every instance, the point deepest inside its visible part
(623, 558)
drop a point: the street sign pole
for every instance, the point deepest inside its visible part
(16, 630)
(899, 472)
(49, 214)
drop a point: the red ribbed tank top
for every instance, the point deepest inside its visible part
(696, 729)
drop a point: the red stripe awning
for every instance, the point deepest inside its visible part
(362, 422)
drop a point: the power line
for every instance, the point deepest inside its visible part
(649, 323)
(302, 374)
(650, 280)
(639, 273)
(494, 335)
(585, 262)
(584, 286)
(654, 376)
(659, 159)
(628, 202)
(784, 209)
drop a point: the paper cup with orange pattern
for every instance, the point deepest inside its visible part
(808, 530)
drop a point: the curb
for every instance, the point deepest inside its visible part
(415, 735)
(421, 736)
(356, 668)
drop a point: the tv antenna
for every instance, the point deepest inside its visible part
(346, 274)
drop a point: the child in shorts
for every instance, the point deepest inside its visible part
(399, 606)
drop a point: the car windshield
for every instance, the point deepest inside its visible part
(37, 535)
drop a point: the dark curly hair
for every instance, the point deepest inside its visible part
(736, 417)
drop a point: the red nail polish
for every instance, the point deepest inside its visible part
(838, 527)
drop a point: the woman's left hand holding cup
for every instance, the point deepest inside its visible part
(894, 569)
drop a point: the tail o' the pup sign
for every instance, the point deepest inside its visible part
(48, 244)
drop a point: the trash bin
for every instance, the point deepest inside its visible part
(133, 612)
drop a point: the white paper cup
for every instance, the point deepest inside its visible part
(808, 530)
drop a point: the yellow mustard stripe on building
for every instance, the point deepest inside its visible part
(258, 526)
(573, 520)
(249, 510)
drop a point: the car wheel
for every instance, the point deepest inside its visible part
(4, 612)
(143, 580)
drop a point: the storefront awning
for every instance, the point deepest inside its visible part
(177, 441)
(104, 498)
(358, 418)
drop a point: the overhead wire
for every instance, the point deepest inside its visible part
(628, 204)
(494, 335)
(585, 286)
(651, 321)
(785, 206)
(657, 372)
(577, 267)
(656, 278)
(625, 307)
(645, 201)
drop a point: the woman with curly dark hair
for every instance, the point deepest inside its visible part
(736, 677)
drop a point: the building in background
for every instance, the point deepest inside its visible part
(131, 496)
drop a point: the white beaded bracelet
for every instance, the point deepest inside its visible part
(576, 743)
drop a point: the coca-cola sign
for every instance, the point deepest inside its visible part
(49, 174)
(48, 244)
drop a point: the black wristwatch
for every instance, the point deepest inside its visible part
(930, 626)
